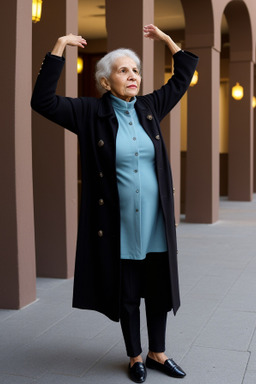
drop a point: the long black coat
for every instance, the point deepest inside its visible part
(97, 271)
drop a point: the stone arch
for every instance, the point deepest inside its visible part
(240, 30)
(239, 14)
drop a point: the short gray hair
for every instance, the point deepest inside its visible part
(105, 65)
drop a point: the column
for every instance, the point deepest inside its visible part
(202, 185)
(240, 175)
(170, 125)
(125, 30)
(254, 135)
(171, 132)
(55, 153)
(17, 247)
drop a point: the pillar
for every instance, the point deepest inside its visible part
(126, 31)
(170, 126)
(254, 135)
(17, 247)
(171, 133)
(240, 181)
(202, 184)
(55, 153)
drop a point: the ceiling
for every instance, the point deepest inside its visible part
(91, 17)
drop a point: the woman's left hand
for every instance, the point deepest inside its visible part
(154, 33)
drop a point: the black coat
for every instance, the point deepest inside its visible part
(97, 271)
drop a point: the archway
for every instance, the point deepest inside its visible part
(240, 116)
(224, 106)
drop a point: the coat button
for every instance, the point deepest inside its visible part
(149, 117)
(173, 190)
(100, 233)
(101, 202)
(157, 137)
(100, 143)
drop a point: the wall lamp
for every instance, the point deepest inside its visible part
(80, 65)
(194, 80)
(237, 92)
(36, 10)
(254, 102)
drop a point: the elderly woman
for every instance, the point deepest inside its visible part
(126, 247)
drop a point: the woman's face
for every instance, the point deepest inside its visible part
(124, 81)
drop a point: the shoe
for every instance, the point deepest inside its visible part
(169, 367)
(138, 372)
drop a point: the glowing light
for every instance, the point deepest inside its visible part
(36, 10)
(237, 92)
(194, 80)
(80, 64)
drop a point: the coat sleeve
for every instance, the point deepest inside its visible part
(65, 111)
(168, 95)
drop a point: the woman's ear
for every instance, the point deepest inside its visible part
(105, 84)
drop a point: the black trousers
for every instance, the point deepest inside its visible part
(148, 278)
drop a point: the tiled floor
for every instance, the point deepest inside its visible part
(212, 337)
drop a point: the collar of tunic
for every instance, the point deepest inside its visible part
(122, 104)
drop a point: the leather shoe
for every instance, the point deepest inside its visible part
(138, 372)
(169, 367)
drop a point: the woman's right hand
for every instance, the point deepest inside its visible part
(71, 40)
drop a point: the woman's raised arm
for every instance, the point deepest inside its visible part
(59, 109)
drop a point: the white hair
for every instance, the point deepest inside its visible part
(105, 65)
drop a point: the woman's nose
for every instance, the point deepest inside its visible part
(131, 74)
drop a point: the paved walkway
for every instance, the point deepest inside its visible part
(212, 337)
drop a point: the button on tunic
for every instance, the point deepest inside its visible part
(142, 222)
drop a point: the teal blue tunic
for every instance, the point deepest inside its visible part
(142, 222)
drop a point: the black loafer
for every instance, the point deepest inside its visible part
(138, 372)
(169, 367)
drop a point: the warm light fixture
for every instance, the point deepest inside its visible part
(36, 10)
(194, 80)
(80, 64)
(254, 102)
(237, 92)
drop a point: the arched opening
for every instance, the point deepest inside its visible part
(224, 106)
(236, 117)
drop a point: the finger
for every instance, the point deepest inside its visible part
(147, 34)
(149, 27)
